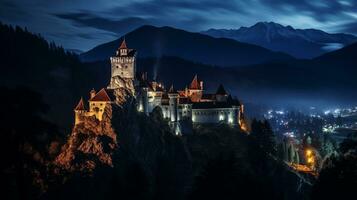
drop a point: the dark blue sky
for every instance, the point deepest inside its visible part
(83, 24)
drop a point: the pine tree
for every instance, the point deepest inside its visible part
(264, 136)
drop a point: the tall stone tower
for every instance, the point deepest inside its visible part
(173, 106)
(123, 67)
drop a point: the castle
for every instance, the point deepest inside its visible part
(190, 104)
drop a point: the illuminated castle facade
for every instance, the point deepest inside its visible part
(190, 104)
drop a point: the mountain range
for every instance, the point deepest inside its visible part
(151, 41)
(62, 79)
(300, 43)
(324, 81)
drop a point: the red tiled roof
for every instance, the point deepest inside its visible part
(195, 84)
(182, 93)
(80, 105)
(123, 45)
(102, 95)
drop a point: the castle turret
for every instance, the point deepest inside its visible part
(145, 100)
(123, 66)
(221, 94)
(173, 101)
(173, 107)
(195, 89)
(236, 115)
(79, 112)
(123, 49)
(98, 103)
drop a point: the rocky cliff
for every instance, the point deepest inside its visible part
(134, 156)
(135, 153)
(91, 143)
(94, 142)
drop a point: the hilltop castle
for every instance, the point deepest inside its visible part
(190, 104)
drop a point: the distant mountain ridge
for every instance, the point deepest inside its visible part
(151, 41)
(300, 43)
(329, 79)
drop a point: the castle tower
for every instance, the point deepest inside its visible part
(195, 89)
(221, 94)
(173, 107)
(79, 112)
(145, 100)
(236, 115)
(173, 101)
(98, 103)
(123, 66)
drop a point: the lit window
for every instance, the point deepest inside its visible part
(221, 117)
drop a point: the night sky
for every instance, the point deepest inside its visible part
(83, 24)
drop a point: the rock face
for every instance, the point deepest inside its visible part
(124, 88)
(91, 143)
(134, 153)
(135, 156)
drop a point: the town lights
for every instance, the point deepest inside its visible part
(308, 152)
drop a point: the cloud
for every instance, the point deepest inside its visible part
(348, 28)
(119, 27)
(88, 22)
(11, 11)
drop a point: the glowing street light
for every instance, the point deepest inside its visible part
(310, 159)
(308, 152)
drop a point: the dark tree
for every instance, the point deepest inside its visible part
(338, 177)
(337, 180)
(26, 137)
(349, 144)
(264, 136)
(224, 178)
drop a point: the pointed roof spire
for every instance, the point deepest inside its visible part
(123, 44)
(172, 90)
(221, 90)
(195, 85)
(80, 105)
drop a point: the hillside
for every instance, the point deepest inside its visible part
(144, 160)
(153, 41)
(300, 43)
(29, 60)
(345, 57)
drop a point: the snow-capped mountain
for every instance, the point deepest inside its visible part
(301, 43)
